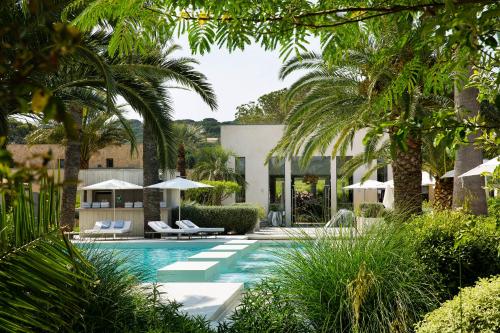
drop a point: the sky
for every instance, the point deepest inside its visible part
(238, 77)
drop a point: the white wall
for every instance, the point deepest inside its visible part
(254, 142)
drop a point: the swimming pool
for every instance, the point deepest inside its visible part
(249, 268)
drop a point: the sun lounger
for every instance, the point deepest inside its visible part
(96, 205)
(161, 227)
(129, 205)
(86, 204)
(188, 225)
(110, 228)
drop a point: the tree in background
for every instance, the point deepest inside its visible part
(99, 130)
(269, 109)
(188, 137)
(18, 130)
(212, 163)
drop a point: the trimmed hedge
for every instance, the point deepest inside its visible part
(234, 219)
(475, 309)
(450, 243)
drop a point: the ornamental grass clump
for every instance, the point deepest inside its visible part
(373, 283)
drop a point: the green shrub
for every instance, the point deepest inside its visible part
(457, 248)
(373, 283)
(474, 309)
(262, 211)
(263, 309)
(371, 209)
(233, 219)
(213, 196)
(117, 304)
(494, 208)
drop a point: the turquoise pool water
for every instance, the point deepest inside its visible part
(252, 266)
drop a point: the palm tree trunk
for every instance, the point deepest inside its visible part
(407, 174)
(84, 163)
(468, 191)
(71, 170)
(181, 160)
(443, 193)
(151, 197)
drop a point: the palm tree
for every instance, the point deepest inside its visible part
(212, 164)
(188, 137)
(468, 190)
(99, 130)
(150, 75)
(138, 80)
(366, 89)
(436, 159)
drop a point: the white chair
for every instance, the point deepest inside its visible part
(105, 204)
(161, 227)
(129, 205)
(138, 204)
(96, 205)
(86, 205)
(110, 228)
(188, 225)
(163, 204)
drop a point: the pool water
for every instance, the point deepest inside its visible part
(252, 266)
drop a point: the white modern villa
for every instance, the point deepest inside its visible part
(276, 185)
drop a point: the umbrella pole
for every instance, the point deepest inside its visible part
(114, 206)
(179, 204)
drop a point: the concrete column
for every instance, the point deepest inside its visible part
(333, 191)
(288, 192)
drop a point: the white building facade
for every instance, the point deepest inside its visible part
(309, 194)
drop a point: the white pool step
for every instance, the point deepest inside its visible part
(241, 242)
(226, 248)
(223, 257)
(188, 271)
(209, 299)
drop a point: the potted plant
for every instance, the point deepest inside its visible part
(275, 215)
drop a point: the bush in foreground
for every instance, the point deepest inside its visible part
(457, 248)
(264, 309)
(372, 283)
(116, 303)
(474, 309)
(234, 219)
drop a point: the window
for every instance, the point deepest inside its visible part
(60, 163)
(381, 171)
(382, 176)
(239, 168)
(109, 163)
(276, 184)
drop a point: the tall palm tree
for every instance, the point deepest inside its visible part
(362, 90)
(152, 73)
(136, 79)
(188, 137)
(99, 130)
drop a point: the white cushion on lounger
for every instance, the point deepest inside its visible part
(188, 225)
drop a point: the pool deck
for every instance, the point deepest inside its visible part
(284, 233)
(267, 233)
